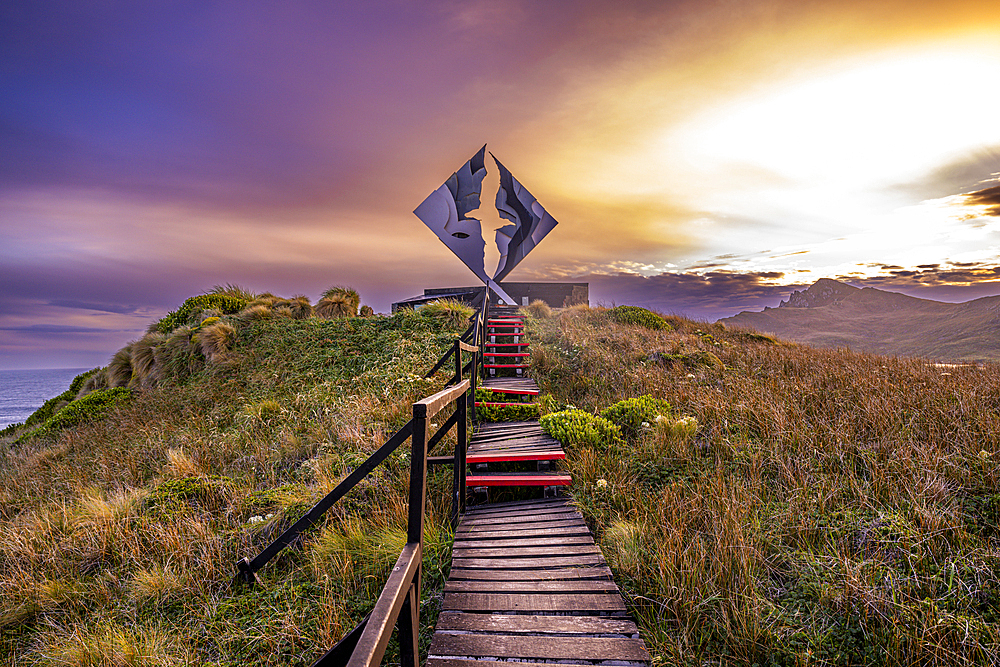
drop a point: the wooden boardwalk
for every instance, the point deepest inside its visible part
(511, 385)
(528, 585)
(513, 441)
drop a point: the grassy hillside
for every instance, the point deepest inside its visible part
(119, 535)
(872, 320)
(768, 504)
(832, 508)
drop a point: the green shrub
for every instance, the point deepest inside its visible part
(575, 427)
(192, 307)
(78, 381)
(510, 412)
(51, 406)
(86, 409)
(639, 317)
(630, 414)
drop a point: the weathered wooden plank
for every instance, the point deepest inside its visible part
(528, 542)
(561, 586)
(568, 531)
(506, 442)
(529, 455)
(535, 624)
(513, 446)
(433, 404)
(519, 479)
(433, 661)
(501, 426)
(521, 602)
(597, 571)
(528, 563)
(524, 551)
(530, 527)
(507, 512)
(544, 648)
(520, 504)
(472, 520)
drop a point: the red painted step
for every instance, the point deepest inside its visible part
(478, 403)
(506, 366)
(506, 354)
(507, 344)
(519, 479)
(525, 392)
(519, 456)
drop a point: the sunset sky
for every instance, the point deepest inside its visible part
(701, 157)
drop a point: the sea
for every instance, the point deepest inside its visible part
(23, 392)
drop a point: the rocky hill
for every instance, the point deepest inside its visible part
(833, 314)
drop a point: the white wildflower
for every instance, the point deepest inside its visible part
(602, 483)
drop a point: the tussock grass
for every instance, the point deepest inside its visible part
(456, 313)
(537, 308)
(339, 301)
(119, 534)
(797, 506)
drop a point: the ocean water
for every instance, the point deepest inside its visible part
(23, 392)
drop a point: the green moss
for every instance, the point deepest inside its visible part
(575, 427)
(630, 414)
(638, 317)
(191, 307)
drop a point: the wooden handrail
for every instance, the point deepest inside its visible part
(398, 605)
(247, 568)
(398, 590)
(430, 406)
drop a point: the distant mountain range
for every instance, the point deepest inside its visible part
(834, 314)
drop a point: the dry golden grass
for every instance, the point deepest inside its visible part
(816, 507)
(118, 538)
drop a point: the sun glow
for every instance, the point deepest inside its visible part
(866, 125)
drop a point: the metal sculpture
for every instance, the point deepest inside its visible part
(445, 212)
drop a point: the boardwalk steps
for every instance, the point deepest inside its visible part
(528, 584)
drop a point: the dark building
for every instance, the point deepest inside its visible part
(556, 295)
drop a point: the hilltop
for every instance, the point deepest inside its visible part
(784, 506)
(833, 314)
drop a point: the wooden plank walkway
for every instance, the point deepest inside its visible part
(511, 385)
(528, 585)
(513, 441)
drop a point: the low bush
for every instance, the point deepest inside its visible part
(639, 317)
(51, 406)
(88, 408)
(631, 413)
(574, 427)
(193, 306)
